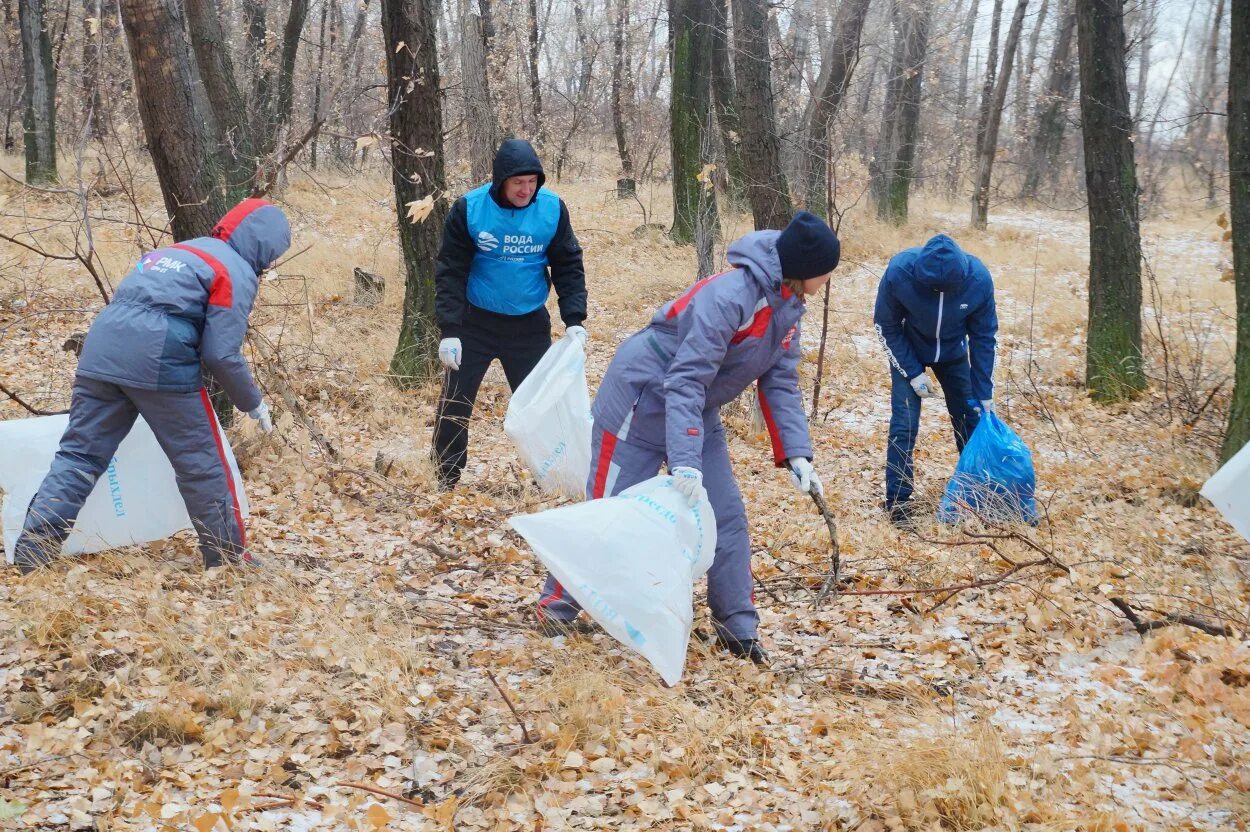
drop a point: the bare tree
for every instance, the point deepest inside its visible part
(766, 186)
(1113, 358)
(1238, 432)
(483, 126)
(1052, 106)
(836, 71)
(409, 32)
(39, 116)
(690, 34)
(992, 116)
(725, 92)
(954, 171)
(892, 166)
(536, 91)
(1026, 63)
(622, 90)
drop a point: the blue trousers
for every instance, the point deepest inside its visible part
(100, 416)
(955, 378)
(617, 463)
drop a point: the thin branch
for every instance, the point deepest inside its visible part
(835, 552)
(524, 731)
(33, 410)
(291, 153)
(374, 790)
(1142, 626)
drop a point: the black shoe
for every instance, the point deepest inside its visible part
(553, 627)
(905, 515)
(748, 648)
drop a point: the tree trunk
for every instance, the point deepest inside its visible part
(766, 186)
(1113, 362)
(483, 128)
(536, 92)
(1024, 80)
(987, 142)
(416, 128)
(1052, 107)
(1238, 433)
(621, 92)
(181, 134)
(216, 70)
(39, 117)
(1145, 37)
(892, 166)
(321, 66)
(725, 92)
(690, 35)
(836, 70)
(92, 70)
(291, 36)
(991, 75)
(954, 172)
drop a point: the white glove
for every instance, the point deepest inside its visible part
(261, 415)
(689, 481)
(578, 332)
(449, 353)
(922, 386)
(987, 406)
(804, 475)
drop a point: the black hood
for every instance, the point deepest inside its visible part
(515, 157)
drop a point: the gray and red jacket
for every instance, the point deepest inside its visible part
(187, 304)
(700, 351)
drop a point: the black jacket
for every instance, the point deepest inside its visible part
(564, 255)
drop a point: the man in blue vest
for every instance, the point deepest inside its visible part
(935, 309)
(505, 244)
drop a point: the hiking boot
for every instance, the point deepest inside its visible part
(748, 648)
(905, 515)
(551, 627)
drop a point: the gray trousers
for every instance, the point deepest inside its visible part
(100, 416)
(617, 463)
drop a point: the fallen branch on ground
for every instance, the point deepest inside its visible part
(835, 552)
(524, 731)
(374, 790)
(29, 408)
(1142, 627)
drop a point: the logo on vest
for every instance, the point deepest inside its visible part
(487, 241)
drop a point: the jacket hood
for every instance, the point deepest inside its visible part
(756, 253)
(941, 265)
(515, 157)
(257, 230)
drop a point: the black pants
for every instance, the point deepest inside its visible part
(518, 341)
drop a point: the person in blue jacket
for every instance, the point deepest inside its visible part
(181, 311)
(505, 244)
(935, 310)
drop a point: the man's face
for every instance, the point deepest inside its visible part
(519, 190)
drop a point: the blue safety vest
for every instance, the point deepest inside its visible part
(509, 271)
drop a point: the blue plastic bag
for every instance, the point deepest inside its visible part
(994, 478)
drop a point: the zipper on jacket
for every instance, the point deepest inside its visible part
(938, 332)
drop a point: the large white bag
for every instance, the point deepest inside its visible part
(631, 562)
(135, 501)
(549, 420)
(1229, 490)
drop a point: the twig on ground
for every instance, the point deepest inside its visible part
(835, 552)
(374, 790)
(507, 701)
(1142, 626)
(30, 409)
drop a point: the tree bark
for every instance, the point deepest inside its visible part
(216, 70)
(39, 116)
(1145, 37)
(836, 70)
(181, 132)
(991, 75)
(1052, 107)
(621, 88)
(955, 171)
(92, 70)
(1238, 432)
(483, 127)
(536, 92)
(690, 27)
(1024, 80)
(766, 186)
(416, 130)
(321, 66)
(291, 35)
(987, 142)
(1113, 361)
(725, 93)
(892, 167)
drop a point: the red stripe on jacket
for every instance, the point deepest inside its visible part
(779, 451)
(225, 466)
(759, 325)
(682, 302)
(235, 216)
(221, 292)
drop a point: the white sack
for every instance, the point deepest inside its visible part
(135, 501)
(631, 561)
(549, 420)
(1229, 490)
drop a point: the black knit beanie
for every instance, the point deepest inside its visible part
(807, 247)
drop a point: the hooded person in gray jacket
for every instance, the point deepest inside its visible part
(660, 403)
(181, 310)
